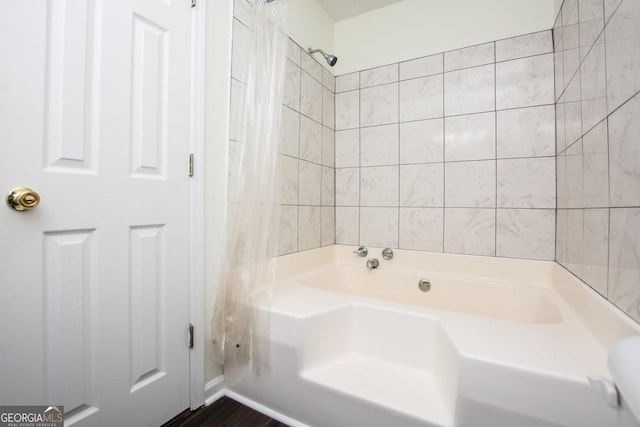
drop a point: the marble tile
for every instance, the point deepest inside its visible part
(348, 82)
(240, 48)
(379, 186)
(422, 185)
(294, 52)
(471, 56)
(624, 260)
(348, 148)
(234, 110)
(328, 190)
(559, 71)
(591, 23)
(523, 46)
(569, 12)
(310, 140)
(242, 12)
(347, 226)
(328, 147)
(233, 192)
(470, 184)
(309, 233)
(347, 187)
(422, 141)
(421, 229)
(562, 199)
(379, 145)
(525, 82)
(421, 98)
(289, 132)
(328, 108)
(593, 86)
(379, 105)
(288, 230)
(310, 183)
(561, 138)
(328, 80)
(291, 96)
(288, 169)
(470, 231)
(575, 176)
(596, 249)
(421, 67)
(379, 76)
(610, 6)
(379, 227)
(561, 236)
(571, 47)
(470, 137)
(573, 112)
(469, 91)
(526, 132)
(347, 110)
(309, 64)
(596, 167)
(575, 241)
(623, 54)
(328, 226)
(311, 97)
(526, 233)
(557, 30)
(624, 154)
(517, 189)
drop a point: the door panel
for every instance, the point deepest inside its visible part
(96, 118)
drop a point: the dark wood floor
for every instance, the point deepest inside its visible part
(224, 412)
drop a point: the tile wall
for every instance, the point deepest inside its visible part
(453, 152)
(306, 153)
(597, 76)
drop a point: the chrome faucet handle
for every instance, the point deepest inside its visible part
(387, 253)
(373, 263)
(361, 251)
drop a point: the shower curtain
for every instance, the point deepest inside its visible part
(241, 321)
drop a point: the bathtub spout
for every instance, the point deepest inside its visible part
(373, 263)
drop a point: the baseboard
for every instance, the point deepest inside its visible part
(263, 409)
(214, 390)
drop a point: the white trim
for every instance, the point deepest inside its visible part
(214, 390)
(264, 410)
(196, 220)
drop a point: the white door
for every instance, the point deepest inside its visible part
(95, 117)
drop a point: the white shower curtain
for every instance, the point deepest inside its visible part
(241, 321)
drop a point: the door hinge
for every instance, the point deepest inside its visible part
(193, 3)
(190, 335)
(191, 164)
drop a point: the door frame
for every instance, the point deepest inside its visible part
(196, 208)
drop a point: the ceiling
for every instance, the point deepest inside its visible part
(342, 9)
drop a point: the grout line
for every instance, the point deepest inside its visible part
(495, 145)
(359, 161)
(444, 166)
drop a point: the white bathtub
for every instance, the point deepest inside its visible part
(495, 342)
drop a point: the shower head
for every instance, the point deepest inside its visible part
(331, 59)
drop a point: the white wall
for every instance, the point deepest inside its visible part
(415, 28)
(311, 26)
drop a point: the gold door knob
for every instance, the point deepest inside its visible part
(22, 199)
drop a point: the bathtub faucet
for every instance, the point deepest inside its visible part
(373, 263)
(361, 251)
